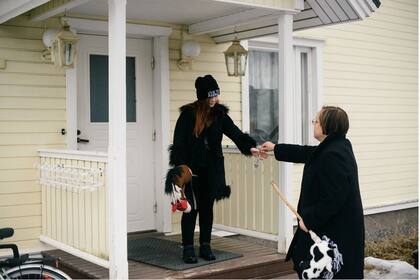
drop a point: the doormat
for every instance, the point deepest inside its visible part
(168, 254)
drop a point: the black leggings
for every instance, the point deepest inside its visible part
(203, 207)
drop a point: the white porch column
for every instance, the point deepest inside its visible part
(162, 122)
(117, 158)
(285, 25)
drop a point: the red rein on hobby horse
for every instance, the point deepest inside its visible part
(176, 180)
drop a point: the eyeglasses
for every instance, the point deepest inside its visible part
(314, 122)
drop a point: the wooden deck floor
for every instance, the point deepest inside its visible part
(257, 262)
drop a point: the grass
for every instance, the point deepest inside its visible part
(395, 247)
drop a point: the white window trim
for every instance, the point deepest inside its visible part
(270, 44)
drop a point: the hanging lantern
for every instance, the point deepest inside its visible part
(64, 47)
(235, 57)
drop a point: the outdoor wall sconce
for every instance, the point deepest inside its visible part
(61, 46)
(48, 38)
(189, 50)
(235, 57)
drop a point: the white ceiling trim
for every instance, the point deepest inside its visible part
(224, 22)
(100, 27)
(253, 5)
(362, 8)
(371, 5)
(59, 9)
(12, 8)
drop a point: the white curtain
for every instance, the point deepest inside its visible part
(263, 70)
(263, 95)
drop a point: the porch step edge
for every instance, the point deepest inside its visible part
(76, 272)
(270, 264)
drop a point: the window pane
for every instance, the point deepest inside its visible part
(98, 88)
(131, 89)
(263, 95)
(305, 97)
(98, 72)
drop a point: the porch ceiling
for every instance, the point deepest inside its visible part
(171, 11)
(224, 21)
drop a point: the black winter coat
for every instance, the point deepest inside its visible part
(205, 151)
(329, 202)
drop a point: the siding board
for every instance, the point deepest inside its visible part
(32, 91)
(20, 211)
(32, 113)
(32, 103)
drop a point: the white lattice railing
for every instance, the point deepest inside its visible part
(252, 207)
(74, 202)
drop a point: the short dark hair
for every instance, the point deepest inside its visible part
(333, 120)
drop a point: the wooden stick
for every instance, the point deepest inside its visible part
(276, 188)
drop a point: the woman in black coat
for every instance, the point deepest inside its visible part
(198, 143)
(329, 202)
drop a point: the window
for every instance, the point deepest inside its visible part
(261, 95)
(99, 88)
(303, 95)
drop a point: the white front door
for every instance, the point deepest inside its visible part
(92, 101)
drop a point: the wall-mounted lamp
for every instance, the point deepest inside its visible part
(235, 58)
(189, 50)
(61, 46)
(47, 38)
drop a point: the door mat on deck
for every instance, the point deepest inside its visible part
(168, 254)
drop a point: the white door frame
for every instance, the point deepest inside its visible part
(160, 36)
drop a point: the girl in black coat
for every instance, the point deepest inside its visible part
(329, 202)
(198, 144)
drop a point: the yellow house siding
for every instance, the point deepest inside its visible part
(210, 61)
(182, 90)
(32, 113)
(370, 69)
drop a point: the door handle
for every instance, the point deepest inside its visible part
(80, 140)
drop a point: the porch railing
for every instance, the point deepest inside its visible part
(74, 211)
(252, 208)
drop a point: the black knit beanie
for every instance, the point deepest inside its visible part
(206, 87)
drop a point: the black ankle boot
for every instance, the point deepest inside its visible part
(188, 255)
(206, 253)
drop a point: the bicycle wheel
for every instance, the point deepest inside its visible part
(35, 271)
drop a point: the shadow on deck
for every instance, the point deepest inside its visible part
(258, 261)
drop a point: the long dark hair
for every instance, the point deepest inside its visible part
(204, 116)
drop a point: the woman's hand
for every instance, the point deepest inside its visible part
(267, 146)
(302, 226)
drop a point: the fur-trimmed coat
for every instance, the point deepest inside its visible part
(205, 151)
